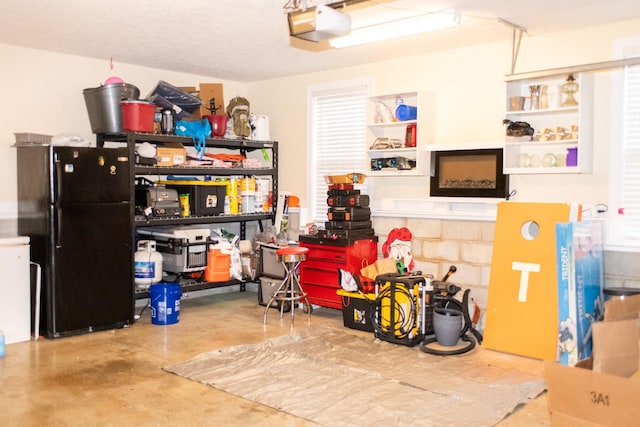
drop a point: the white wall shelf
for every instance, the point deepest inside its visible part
(558, 129)
(382, 124)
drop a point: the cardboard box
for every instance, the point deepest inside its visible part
(171, 154)
(581, 396)
(210, 91)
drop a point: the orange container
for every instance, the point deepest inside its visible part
(218, 266)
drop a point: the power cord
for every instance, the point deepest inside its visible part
(403, 321)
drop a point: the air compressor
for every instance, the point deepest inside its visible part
(404, 306)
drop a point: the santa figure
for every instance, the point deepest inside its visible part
(398, 247)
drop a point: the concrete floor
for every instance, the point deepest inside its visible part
(114, 378)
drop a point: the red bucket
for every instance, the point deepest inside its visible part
(137, 116)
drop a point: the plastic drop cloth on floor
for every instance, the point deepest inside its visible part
(341, 377)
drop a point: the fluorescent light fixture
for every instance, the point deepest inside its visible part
(429, 21)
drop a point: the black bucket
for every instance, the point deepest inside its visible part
(103, 105)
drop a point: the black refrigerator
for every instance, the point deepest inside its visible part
(75, 205)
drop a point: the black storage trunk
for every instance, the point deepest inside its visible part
(205, 199)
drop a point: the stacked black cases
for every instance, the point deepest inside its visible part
(349, 215)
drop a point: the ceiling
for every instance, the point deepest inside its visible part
(248, 40)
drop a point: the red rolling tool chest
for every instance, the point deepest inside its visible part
(319, 272)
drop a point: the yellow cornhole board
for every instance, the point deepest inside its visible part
(522, 305)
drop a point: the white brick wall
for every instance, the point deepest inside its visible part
(439, 243)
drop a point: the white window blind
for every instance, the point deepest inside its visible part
(629, 202)
(338, 138)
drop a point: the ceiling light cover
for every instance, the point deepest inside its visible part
(430, 21)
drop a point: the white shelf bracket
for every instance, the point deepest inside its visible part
(516, 39)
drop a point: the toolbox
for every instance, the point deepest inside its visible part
(184, 248)
(347, 225)
(342, 192)
(357, 310)
(361, 200)
(205, 197)
(364, 233)
(319, 273)
(349, 214)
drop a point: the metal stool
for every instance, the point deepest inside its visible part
(290, 290)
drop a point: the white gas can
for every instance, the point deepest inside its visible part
(147, 264)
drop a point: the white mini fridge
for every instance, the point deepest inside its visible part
(15, 289)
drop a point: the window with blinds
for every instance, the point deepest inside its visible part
(629, 191)
(338, 137)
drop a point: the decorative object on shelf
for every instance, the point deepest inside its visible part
(518, 129)
(385, 144)
(524, 161)
(411, 135)
(544, 97)
(572, 156)
(406, 112)
(543, 134)
(392, 163)
(516, 103)
(535, 161)
(548, 160)
(383, 113)
(569, 88)
(572, 133)
(538, 92)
